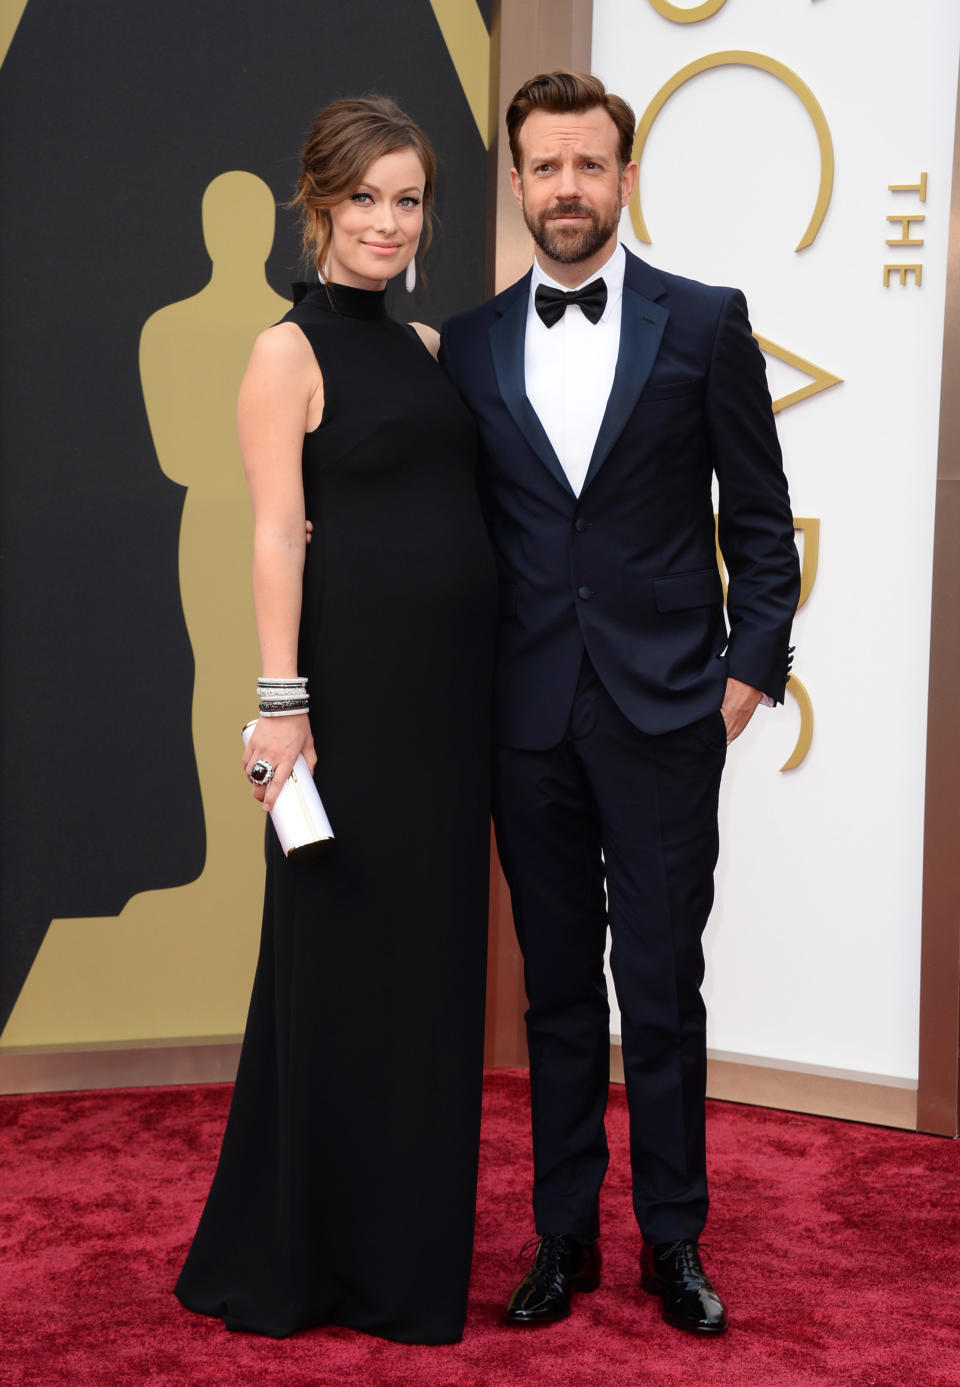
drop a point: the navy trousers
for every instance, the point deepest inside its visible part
(612, 804)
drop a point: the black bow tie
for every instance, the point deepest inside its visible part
(551, 304)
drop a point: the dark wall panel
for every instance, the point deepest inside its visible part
(114, 118)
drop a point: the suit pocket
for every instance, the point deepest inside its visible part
(673, 389)
(678, 591)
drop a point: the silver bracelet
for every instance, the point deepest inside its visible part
(282, 696)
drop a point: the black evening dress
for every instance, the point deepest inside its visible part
(346, 1184)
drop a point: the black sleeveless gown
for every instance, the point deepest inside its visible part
(346, 1183)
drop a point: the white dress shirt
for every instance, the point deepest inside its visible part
(569, 367)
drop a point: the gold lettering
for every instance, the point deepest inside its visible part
(721, 566)
(902, 271)
(811, 551)
(821, 379)
(799, 752)
(906, 239)
(10, 15)
(809, 527)
(679, 15)
(468, 43)
(731, 58)
(920, 187)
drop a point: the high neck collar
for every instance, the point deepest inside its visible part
(343, 299)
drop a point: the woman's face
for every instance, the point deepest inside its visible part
(376, 228)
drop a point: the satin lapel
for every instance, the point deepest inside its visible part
(507, 343)
(641, 327)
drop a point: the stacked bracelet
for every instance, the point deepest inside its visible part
(282, 698)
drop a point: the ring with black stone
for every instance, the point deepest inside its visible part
(261, 773)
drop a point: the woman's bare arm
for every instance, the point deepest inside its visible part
(278, 402)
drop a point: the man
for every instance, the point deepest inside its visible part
(608, 394)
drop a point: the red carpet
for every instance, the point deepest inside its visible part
(836, 1246)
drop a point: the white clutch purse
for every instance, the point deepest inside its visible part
(298, 814)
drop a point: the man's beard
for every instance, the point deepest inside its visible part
(568, 245)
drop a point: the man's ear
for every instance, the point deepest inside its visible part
(628, 182)
(516, 183)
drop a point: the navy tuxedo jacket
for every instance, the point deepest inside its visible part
(627, 571)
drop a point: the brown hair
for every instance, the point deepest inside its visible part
(569, 91)
(344, 140)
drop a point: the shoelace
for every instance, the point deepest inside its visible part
(688, 1259)
(686, 1244)
(551, 1249)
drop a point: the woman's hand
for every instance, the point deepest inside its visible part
(279, 741)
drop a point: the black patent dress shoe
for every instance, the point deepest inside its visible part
(562, 1266)
(674, 1273)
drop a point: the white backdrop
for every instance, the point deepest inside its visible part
(813, 949)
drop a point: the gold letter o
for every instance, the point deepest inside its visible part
(682, 16)
(731, 58)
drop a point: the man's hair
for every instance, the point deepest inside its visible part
(565, 91)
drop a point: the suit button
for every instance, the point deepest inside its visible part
(585, 592)
(580, 525)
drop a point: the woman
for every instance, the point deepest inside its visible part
(345, 1188)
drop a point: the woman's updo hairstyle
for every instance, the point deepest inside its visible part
(344, 140)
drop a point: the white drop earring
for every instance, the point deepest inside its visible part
(410, 278)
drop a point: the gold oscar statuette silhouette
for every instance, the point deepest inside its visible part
(177, 963)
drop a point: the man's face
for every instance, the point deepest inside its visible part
(570, 185)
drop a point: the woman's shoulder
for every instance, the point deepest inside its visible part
(428, 336)
(282, 364)
(282, 345)
(282, 338)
